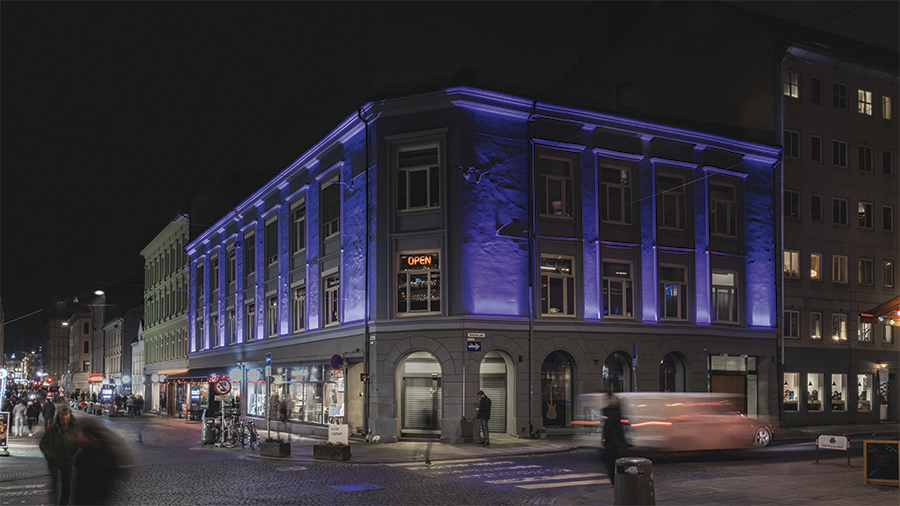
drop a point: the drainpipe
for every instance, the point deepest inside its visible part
(531, 225)
(366, 296)
(779, 103)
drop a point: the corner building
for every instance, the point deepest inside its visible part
(438, 243)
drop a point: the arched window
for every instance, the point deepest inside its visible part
(673, 373)
(617, 372)
(556, 390)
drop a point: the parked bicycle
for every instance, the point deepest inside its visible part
(248, 434)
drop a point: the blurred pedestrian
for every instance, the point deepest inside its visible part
(483, 416)
(614, 443)
(59, 446)
(99, 465)
(19, 416)
(129, 405)
(48, 411)
(32, 413)
(138, 405)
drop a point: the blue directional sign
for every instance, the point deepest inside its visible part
(268, 359)
(473, 345)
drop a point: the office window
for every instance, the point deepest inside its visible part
(332, 299)
(791, 264)
(815, 266)
(249, 254)
(839, 268)
(815, 90)
(298, 308)
(557, 287)
(723, 210)
(838, 153)
(618, 292)
(886, 107)
(815, 325)
(230, 266)
(865, 158)
(725, 296)
(865, 211)
(887, 163)
(250, 322)
(839, 95)
(792, 144)
(419, 283)
(298, 228)
(791, 204)
(230, 338)
(554, 187)
(418, 179)
(87, 347)
(615, 190)
(272, 242)
(815, 208)
(839, 326)
(864, 102)
(887, 273)
(330, 201)
(673, 290)
(272, 316)
(792, 324)
(887, 218)
(887, 336)
(866, 271)
(214, 278)
(839, 211)
(815, 148)
(863, 330)
(791, 84)
(670, 202)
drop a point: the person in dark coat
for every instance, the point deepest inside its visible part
(49, 411)
(59, 446)
(32, 413)
(100, 465)
(614, 444)
(484, 415)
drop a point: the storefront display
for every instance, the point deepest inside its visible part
(864, 384)
(306, 393)
(838, 392)
(813, 392)
(790, 391)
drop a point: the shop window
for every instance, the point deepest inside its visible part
(815, 266)
(866, 271)
(725, 296)
(332, 299)
(671, 202)
(557, 287)
(310, 394)
(865, 158)
(554, 187)
(815, 325)
(864, 391)
(298, 308)
(790, 399)
(272, 316)
(618, 293)
(615, 191)
(839, 95)
(419, 284)
(815, 149)
(673, 292)
(839, 211)
(839, 268)
(839, 327)
(298, 228)
(673, 373)
(838, 153)
(792, 324)
(723, 209)
(556, 390)
(791, 264)
(256, 392)
(839, 392)
(418, 179)
(814, 392)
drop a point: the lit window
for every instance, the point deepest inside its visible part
(557, 287)
(673, 290)
(865, 158)
(792, 144)
(886, 107)
(866, 271)
(839, 268)
(615, 189)
(888, 336)
(839, 153)
(724, 291)
(723, 209)
(332, 299)
(791, 204)
(791, 264)
(839, 211)
(815, 149)
(791, 84)
(618, 293)
(839, 326)
(815, 266)
(839, 95)
(864, 102)
(554, 187)
(670, 202)
(863, 331)
(418, 179)
(419, 283)
(865, 214)
(815, 325)
(792, 324)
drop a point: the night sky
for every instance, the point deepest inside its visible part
(115, 113)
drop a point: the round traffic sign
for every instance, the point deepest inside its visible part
(337, 362)
(223, 387)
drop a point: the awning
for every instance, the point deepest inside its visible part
(885, 314)
(202, 373)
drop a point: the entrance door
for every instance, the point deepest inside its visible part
(421, 403)
(731, 384)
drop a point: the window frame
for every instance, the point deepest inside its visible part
(733, 292)
(814, 210)
(791, 143)
(270, 232)
(864, 331)
(816, 155)
(887, 273)
(730, 206)
(839, 95)
(839, 153)
(865, 158)
(249, 247)
(841, 320)
(813, 96)
(676, 193)
(299, 229)
(887, 162)
(271, 315)
(865, 271)
(432, 274)
(821, 266)
(569, 285)
(626, 194)
(792, 204)
(433, 178)
(887, 218)
(298, 307)
(683, 302)
(887, 112)
(791, 264)
(864, 101)
(331, 299)
(790, 83)
(813, 328)
(330, 225)
(843, 211)
(866, 211)
(627, 292)
(567, 188)
(839, 269)
(791, 324)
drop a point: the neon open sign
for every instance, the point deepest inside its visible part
(410, 262)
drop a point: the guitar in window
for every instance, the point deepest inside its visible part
(551, 406)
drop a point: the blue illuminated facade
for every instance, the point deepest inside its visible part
(465, 239)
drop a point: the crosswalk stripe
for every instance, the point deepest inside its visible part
(564, 484)
(544, 478)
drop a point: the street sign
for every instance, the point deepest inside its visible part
(268, 359)
(337, 362)
(473, 346)
(223, 387)
(363, 376)
(222, 398)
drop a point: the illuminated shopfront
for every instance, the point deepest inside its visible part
(313, 394)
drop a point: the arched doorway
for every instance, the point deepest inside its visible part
(672, 373)
(556, 390)
(617, 372)
(420, 394)
(494, 379)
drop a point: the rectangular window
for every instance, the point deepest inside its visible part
(792, 324)
(418, 179)
(790, 399)
(815, 149)
(554, 187)
(230, 266)
(791, 204)
(670, 202)
(298, 228)
(865, 158)
(888, 273)
(815, 390)
(886, 107)
(86, 328)
(839, 211)
(791, 264)
(791, 84)
(723, 210)
(864, 102)
(839, 95)
(229, 326)
(725, 296)
(815, 266)
(298, 309)
(272, 316)
(250, 322)
(332, 299)
(331, 208)
(887, 336)
(618, 290)
(87, 347)
(863, 331)
(214, 271)
(887, 163)
(839, 392)
(839, 268)
(214, 330)
(838, 153)
(557, 287)
(839, 327)
(792, 144)
(815, 90)
(419, 284)
(249, 255)
(86, 366)
(615, 191)
(887, 218)
(864, 389)
(673, 290)
(865, 214)
(272, 242)
(866, 271)
(200, 281)
(815, 325)
(815, 208)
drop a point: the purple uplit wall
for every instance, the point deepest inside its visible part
(761, 256)
(353, 234)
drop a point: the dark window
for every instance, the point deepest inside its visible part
(865, 158)
(839, 95)
(418, 179)
(554, 187)
(792, 144)
(815, 90)
(298, 230)
(87, 347)
(839, 153)
(839, 211)
(815, 149)
(815, 209)
(670, 202)
(791, 204)
(331, 209)
(887, 163)
(87, 328)
(249, 255)
(887, 214)
(272, 242)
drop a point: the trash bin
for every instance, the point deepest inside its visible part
(207, 436)
(634, 481)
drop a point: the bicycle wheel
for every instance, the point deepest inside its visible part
(254, 440)
(230, 438)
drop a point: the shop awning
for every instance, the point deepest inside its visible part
(885, 314)
(197, 374)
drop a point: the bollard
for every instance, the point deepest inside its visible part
(634, 482)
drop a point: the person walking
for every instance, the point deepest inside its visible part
(100, 464)
(138, 405)
(32, 413)
(48, 411)
(59, 446)
(614, 443)
(129, 405)
(483, 416)
(19, 416)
